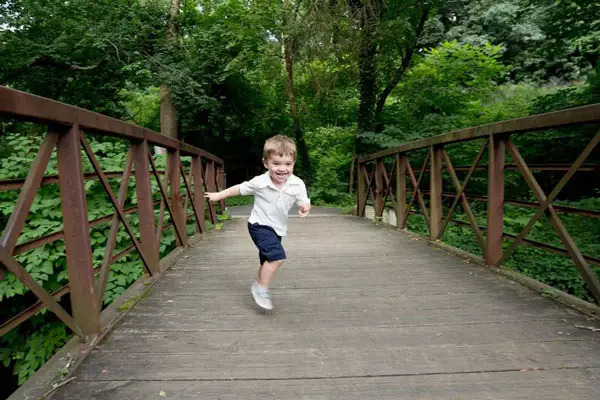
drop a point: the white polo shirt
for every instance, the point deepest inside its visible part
(271, 205)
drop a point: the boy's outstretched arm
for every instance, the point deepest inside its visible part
(223, 194)
(303, 209)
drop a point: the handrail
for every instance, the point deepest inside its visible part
(31, 108)
(376, 183)
(572, 116)
(67, 129)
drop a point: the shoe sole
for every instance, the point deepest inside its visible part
(258, 305)
(262, 310)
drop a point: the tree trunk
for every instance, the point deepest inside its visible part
(168, 113)
(173, 26)
(289, 67)
(367, 83)
(406, 60)
(368, 16)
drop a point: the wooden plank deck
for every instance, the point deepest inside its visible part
(362, 312)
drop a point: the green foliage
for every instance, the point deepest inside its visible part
(453, 75)
(516, 25)
(440, 93)
(240, 200)
(570, 96)
(79, 52)
(555, 270)
(224, 216)
(573, 38)
(507, 101)
(143, 106)
(463, 238)
(27, 347)
(541, 39)
(325, 93)
(30, 353)
(331, 151)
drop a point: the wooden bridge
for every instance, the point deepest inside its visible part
(362, 309)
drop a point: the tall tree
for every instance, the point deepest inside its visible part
(367, 16)
(416, 18)
(390, 34)
(289, 43)
(168, 112)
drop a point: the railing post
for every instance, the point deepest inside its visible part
(179, 218)
(198, 191)
(143, 189)
(495, 211)
(361, 196)
(379, 189)
(211, 186)
(401, 191)
(84, 301)
(221, 185)
(437, 211)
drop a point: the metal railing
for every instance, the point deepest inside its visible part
(379, 186)
(67, 128)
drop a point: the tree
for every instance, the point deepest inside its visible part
(572, 47)
(168, 112)
(227, 79)
(78, 52)
(367, 15)
(289, 44)
(417, 17)
(542, 40)
(390, 35)
(442, 92)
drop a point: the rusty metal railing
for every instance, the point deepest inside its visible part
(377, 185)
(67, 128)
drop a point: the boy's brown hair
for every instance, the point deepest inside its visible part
(280, 145)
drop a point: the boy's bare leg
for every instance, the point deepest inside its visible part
(266, 272)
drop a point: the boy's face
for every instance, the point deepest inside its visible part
(280, 167)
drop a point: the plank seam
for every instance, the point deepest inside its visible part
(341, 377)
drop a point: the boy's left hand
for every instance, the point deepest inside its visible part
(303, 209)
(213, 197)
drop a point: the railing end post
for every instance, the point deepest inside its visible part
(361, 196)
(436, 206)
(495, 209)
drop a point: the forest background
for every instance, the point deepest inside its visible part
(342, 77)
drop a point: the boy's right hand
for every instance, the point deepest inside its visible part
(212, 196)
(304, 209)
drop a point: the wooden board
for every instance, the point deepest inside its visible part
(580, 384)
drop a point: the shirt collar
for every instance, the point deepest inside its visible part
(265, 180)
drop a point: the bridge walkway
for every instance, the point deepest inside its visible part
(362, 312)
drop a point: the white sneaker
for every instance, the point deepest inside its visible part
(261, 296)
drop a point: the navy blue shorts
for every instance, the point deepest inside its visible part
(268, 243)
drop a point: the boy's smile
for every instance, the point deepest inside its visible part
(280, 168)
